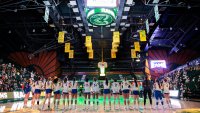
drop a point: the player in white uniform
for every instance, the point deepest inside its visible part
(158, 93)
(74, 92)
(37, 92)
(166, 92)
(106, 92)
(57, 92)
(135, 90)
(125, 88)
(95, 92)
(87, 92)
(66, 92)
(48, 85)
(115, 90)
(33, 90)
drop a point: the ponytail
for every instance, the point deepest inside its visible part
(107, 81)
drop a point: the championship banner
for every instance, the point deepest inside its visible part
(88, 44)
(116, 39)
(88, 39)
(91, 55)
(71, 54)
(114, 45)
(113, 54)
(143, 36)
(133, 53)
(89, 49)
(61, 37)
(137, 46)
(116, 33)
(114, 50)
(67, 47)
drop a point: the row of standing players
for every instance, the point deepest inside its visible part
(67, 87)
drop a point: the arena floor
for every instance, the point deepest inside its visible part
(178, 105)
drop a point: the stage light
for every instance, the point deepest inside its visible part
(47, 3)
(122, 24)
(129, 2)
(137, 60)
(158, 64)
(80, 24)
(113, 24)
(73, 3)
(102, 3)
(90, 30)
(112, 29)
(78, 18)
(124, 17)
(126, 8)
(75, 10)
(83, 34)
(75, 25)
(127, 25)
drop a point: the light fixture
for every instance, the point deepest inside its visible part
(196, 29)
(135, 36)
(90, 30)
(122, 24)
(137, 60)
(33, 30)
(108, 26)
(75, 25)
(75, 10)
(47, 3)
(129, 2)
(9, 31)
(83, 34)
(126, 8)
(89, 24)
(123, 28)
(78, 18)
(52, 25)
(73, 2)
(112, 29)
(121, 34)
(79, 29)
(80, 24)
(127, 25)
(124, 17)
(113, 24)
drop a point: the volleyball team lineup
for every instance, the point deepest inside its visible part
(67, 92)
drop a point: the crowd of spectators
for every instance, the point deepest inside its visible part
(186, 80)
(12, 77)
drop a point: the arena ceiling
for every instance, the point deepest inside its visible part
(23, 28)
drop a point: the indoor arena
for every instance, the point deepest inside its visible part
(107, 56)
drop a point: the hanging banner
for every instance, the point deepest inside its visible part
(67, 47)
(114, 45)
(114, 50)
(143, 36)
(116, 39)
(89, 49)
(61, 37)
(91, 55)
(71, 54)
(137, 46)
(133, 53)
(113, 54)
(88, 39)
(116, 33)
(88, 45)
